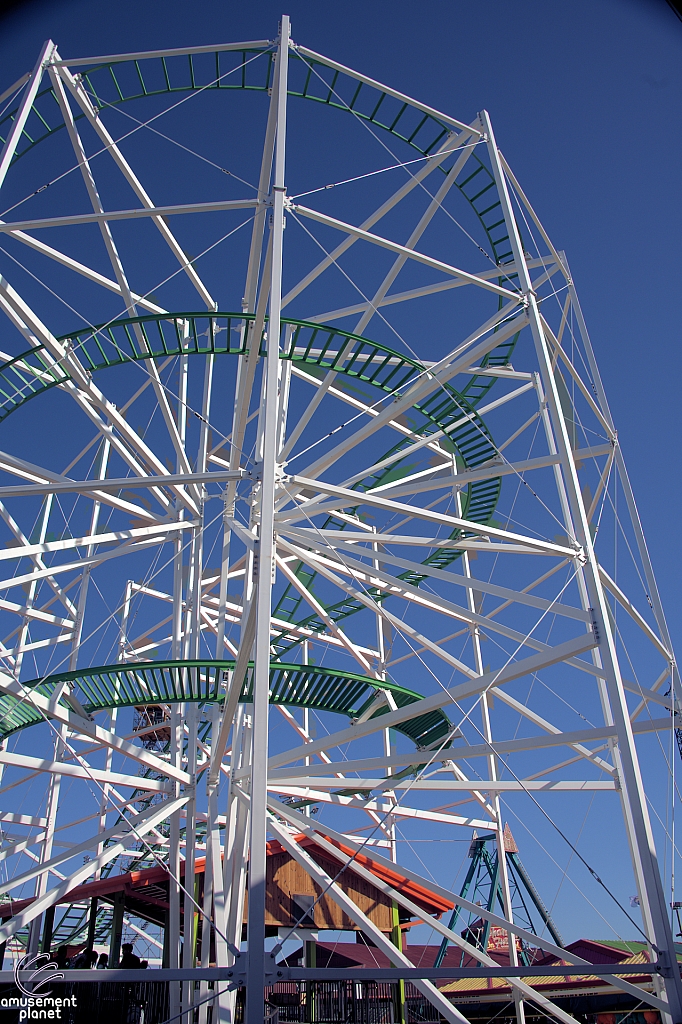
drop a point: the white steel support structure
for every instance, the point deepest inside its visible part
(344, 553)
(269, 416)
(28, 95)
(635, 811)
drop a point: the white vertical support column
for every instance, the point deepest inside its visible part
(105, 799)
(306, 715)
(236, 851)
(55, 780)
(23, 634)
(188, 905)
(173, 913)
(652, 586)
(228, 512)
(383, 634)
(263, 597)
(493, 770)
(252, 301)
(188, 709)
(504, 875)
(204, 430)
(176, 749)
(635, 812)
(284, 389)
(85, 581)
(190, 718)
(34, 927)
(125, 616)
(212, 792)
(212, 906)
(30, 93)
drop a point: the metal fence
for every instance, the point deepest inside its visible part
(295, 1002)
(113, 1002)
(335, 1002)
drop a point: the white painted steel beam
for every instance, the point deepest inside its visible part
(15, 818)
(401, 250)
(82, 771)
(636, 616)
(35, 613)
(44, 482)
(100, 488)
(319, 609)
(350, 499)
(434, 289)
(24, 109)
(13, 89)
(514, 670)
(113, 536)
(138, 826)
(49, 709)
(80, 268)
(282, 785)
(178, 51)
(265, 572)
(329, 886)
(435, 478)
(37, 224)
(304, 51)
(84, 563)
(386, 558)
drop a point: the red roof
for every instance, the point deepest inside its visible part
(415, 892)
(358, 954)
(135, 882)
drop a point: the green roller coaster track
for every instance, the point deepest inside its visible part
(112, 83)
(203, 682)
(319, 348)
(116, 82)
(156, 336)
(176, 682)
(315, 347)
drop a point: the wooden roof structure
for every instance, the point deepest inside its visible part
(146, 891)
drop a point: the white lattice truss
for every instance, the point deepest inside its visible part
(339, 488)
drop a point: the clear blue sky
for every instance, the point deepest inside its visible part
(586, 100)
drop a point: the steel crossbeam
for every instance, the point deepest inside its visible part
(366, 496)
(404, 251)
(104, 216)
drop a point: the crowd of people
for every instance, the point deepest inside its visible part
(89, 959)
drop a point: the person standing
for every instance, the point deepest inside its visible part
(129, 960)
